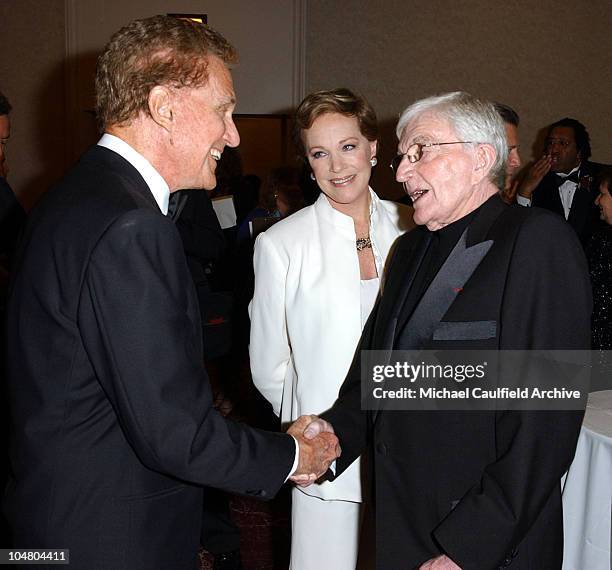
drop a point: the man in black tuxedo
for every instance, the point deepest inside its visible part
(476, 490)
(563, 180)
(112, 425)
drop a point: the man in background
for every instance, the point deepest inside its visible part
(511, 123)
(563, 180)
(12, 215)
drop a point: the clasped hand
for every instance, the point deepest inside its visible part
(318, 448)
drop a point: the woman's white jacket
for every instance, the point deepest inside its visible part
(306, 312)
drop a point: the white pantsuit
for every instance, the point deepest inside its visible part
(305, 326)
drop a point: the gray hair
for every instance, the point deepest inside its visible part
(471, 118)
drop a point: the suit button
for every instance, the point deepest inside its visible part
(381, 448)
(257, 493)
(508, 560)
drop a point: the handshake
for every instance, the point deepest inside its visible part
(318, 445)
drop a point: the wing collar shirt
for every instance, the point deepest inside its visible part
(157, 185)
(566, 192)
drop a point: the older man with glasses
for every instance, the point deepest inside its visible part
(456, 488)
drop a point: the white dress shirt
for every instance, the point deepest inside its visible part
(566, 193)
(157, 185)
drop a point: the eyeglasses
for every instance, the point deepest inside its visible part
(415, 152)
(563, 143)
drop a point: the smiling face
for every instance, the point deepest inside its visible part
(604, 202)
(203, 128)
(442, 185)
(339, 156)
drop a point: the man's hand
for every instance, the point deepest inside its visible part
(318, 448)
(539, 169)
(508, 194)
(439, 563)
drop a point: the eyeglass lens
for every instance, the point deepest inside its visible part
(414, 154)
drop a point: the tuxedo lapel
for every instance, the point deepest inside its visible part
(550, 198)
(441, 293)
(394, 294)
(107, 160)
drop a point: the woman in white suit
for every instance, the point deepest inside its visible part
(317, 275)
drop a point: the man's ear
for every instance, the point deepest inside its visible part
(161, 106)
(485, 159)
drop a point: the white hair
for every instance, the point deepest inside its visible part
(471, 118)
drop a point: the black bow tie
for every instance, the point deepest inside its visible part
(176, 203)
(573, 177)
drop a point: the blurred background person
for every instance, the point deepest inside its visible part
(12, 215)
(317, 276)
(599, 254)
(564, 180)
(205, 244)
(12, 218)
(511, 123)
(279, 197)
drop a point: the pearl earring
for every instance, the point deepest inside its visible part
(312, 176)
(373, 161)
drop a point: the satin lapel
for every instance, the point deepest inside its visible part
(394, 294)
(444, 288)
(469, 250)
(110, 160)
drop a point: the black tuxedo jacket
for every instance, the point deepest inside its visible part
(482, 487)
(584, 215)
(113, 428)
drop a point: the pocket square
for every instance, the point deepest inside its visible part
(465, 330)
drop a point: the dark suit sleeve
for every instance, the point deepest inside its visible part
(139, 322)
(547, 305)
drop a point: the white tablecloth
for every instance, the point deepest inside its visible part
(587, 491)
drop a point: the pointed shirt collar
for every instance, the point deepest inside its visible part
(157, 185)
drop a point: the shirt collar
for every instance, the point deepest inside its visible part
(563, 175)
(157, 185)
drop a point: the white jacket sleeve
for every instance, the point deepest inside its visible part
(269, 348)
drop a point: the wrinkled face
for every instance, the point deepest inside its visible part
(339, 156)
(561, 146)
(203, 128)
(604, 202)
(514, 160)
(5, 133)
(441, 184)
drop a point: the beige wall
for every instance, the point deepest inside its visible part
(267, 33)
(547, 59)
(47, 61)
(32, 48)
